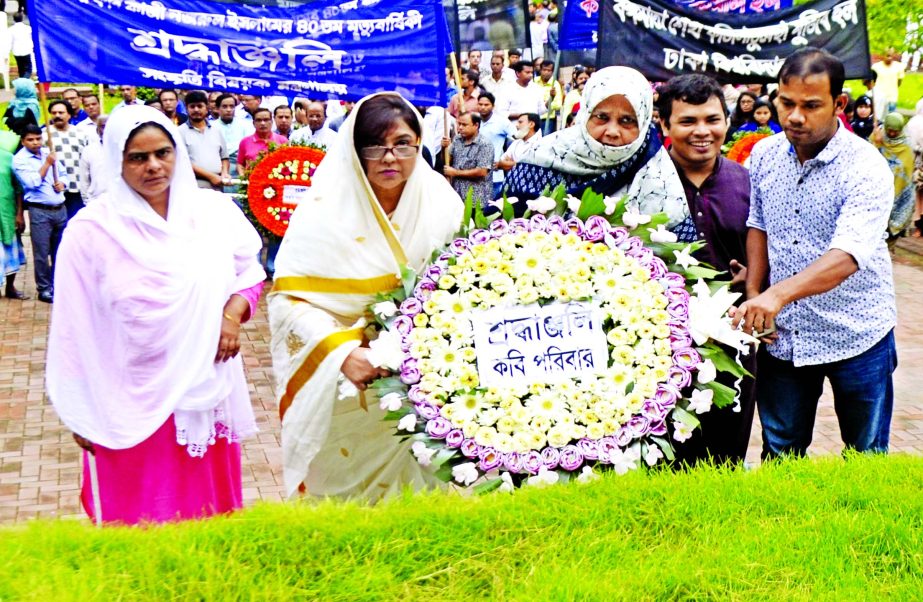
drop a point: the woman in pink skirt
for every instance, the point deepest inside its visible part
(152, 283)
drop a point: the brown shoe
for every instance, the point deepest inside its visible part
(12, 293)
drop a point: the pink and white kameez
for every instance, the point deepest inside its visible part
(134, 332)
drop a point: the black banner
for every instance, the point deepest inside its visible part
(487, 25)
(661, 39)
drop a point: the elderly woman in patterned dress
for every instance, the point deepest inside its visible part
(613, 148)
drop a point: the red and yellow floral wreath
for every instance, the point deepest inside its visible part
(279, 167)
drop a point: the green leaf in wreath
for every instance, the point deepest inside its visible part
(722, 360)
(488, 486)
(480, 220)
(389, 382)
(443, 456)
(444, 472)
(508, 211)
(559, 195)
(695, 272)
(643, 231)
(685, 417)
(724, 395)
(591, 203)
(408, 279)
(616, 217)
(665, 447)
(466, 214)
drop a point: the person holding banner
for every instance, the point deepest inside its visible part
(613, 148)
(44, 180)
(156, 277)
(552, 95)
(375, 207)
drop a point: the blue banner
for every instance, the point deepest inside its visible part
(325, 49)
(581, 17)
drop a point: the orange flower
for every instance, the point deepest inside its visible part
(741, 150)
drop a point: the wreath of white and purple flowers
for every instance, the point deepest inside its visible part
(662, 312)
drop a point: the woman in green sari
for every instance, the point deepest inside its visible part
(894, 148)
(12, 225)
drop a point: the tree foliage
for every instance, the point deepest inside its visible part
(887, 24)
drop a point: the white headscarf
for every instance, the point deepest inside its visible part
(340, 250)
(343, 208)
(655, 186)
(574, 150)
(138, 309)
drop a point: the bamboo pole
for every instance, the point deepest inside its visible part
(457, 75)
(445, 123)
(461, 100)
(43, 102)
(554, 81)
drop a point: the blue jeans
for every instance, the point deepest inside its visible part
(272, 248)
(863, 398)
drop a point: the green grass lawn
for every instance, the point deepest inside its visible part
(804, 530)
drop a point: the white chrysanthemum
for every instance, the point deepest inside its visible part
(466, 407)
(559, 436)
(547, 404)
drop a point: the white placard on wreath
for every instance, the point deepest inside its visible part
(294, 194)
(536, 343)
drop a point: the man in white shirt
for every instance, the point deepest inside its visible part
(528, 132)
(282, 120)
(434, 129)
(498, 76)
(91, 108)
(316, 133)
(522, 95)
(129, 97)
(248, 104)
(92, 168)
(538, 30)
(890, 73)
(68, 144)
(233, 128)
(497, 130)
(271, 102)
(21, 46)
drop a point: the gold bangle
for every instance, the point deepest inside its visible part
(229, 317)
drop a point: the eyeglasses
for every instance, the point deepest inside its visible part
(400, 151)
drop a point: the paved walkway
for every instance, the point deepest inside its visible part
(39, 463)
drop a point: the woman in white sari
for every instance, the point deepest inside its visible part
(375, 206)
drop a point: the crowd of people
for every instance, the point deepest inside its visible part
(131, 206)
